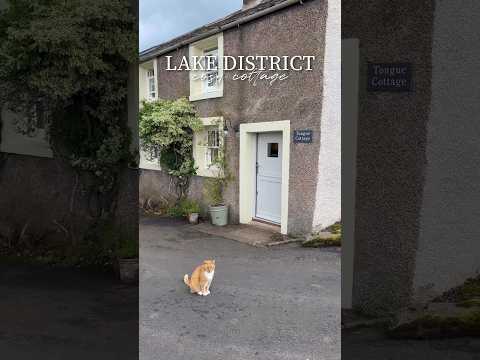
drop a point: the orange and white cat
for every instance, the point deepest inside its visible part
(201, 278)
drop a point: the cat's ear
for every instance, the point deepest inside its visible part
(213, 261)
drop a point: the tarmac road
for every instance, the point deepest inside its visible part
(280, 303)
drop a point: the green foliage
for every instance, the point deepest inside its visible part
(70, 59)
(56, 51)
(466, 323)
(166, 132)
(467, 293)
(470, 289)
(128, 249)
(99, 248)
(213, 191)
(184, 208)
(214, 187)
(323, 241)
(336, 228)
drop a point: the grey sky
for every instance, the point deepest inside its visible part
(162, 20)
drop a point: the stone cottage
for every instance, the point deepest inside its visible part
(281, 137)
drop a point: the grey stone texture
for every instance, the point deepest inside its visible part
(295, 30)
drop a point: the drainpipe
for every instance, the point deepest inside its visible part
(150, 55)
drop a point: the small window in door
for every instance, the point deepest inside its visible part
(272, 150)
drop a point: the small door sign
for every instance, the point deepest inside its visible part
(302, 136)
(391, 77)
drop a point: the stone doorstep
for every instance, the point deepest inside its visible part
(251, 234)
(352, 320)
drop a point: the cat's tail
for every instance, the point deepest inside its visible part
(186, 280)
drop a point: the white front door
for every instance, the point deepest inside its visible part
(269, 177)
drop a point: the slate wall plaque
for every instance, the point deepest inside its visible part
(391, 77)
(302, 136)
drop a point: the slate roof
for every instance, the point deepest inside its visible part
(216, 25)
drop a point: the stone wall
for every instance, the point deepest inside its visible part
(36, 194)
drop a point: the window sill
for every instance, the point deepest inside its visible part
(206, 175)
(204, 96)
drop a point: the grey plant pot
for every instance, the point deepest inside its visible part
(128, 270)
(219, 215)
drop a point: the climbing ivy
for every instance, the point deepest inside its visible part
(69, 60)
(166, 134)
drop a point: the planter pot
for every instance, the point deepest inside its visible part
(128, 270)
(193, 218)
(219, 215)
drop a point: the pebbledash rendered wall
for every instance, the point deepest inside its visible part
(448, 243)
(295, 30)
(417, 199)
(391, 149)
(328, 196)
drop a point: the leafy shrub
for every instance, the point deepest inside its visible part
(166, 130)
(184, 208)
(214, 187)
(127, 249)
(213, 191)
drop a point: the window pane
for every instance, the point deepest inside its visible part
(212, 79)
(214, 155)
(213, 138)
(272, 150)
(211, 69)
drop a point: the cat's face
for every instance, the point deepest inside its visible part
(209, 265)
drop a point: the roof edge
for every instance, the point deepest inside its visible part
(185, 39)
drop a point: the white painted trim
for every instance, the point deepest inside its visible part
(204, 96)
(350, 86)
(247, 168)
(328, 195)
(199, 149)
(196, 86)
(16, 143)
(155, 74)
(148, 164)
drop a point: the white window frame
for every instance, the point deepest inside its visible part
(213, 146)
(202, 149)
(198, 88)
(148, 70)
(209, 73)
(16, 143)
(145, 94)
(151, 94)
